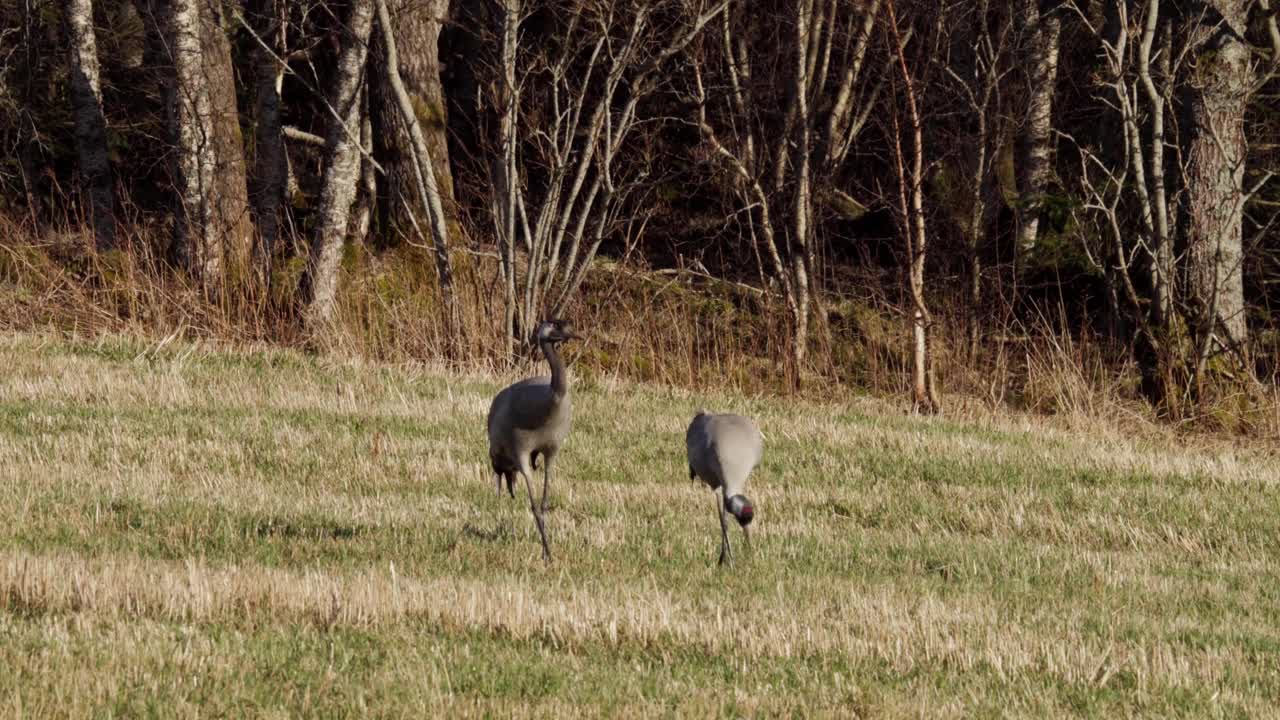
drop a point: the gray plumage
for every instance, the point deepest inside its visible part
(531, 419)
(722, 452)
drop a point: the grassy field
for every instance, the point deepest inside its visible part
(185, 531)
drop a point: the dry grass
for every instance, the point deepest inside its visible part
(668, 327)
(193, 531)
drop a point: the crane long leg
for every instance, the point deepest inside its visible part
(726, 555)
(537, 517)
(546, 480)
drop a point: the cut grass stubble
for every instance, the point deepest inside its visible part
(301, 535)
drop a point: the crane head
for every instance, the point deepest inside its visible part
(741, 508)
(554, 331)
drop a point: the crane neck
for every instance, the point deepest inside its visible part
(559, 377)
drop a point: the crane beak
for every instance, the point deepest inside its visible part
(746, 534)
(565, 331)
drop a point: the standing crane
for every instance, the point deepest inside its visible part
(530, 419)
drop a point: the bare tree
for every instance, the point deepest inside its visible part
(1121, 181)
(783, 152)
(1181, 325)
(911, 222)
(1043, 25)
(212, 227)
(558, 195)
(505, 172)
(1154, 196)
(415, 28)
(986, 69)
(91, 126)
(426, 185)
(342, 168)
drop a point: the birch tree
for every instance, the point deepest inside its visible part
(1186, 315)
(341, 170)
(1129, 228)
(91, 126)
(912, 223)
(1042, 24)
(979, 79)
(566, 111)
(212, 226)
(782, 119)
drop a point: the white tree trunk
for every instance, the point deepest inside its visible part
(911, 201)
(195, 245)
(807, 17)
(212, 225)
(1161, 273)
(1035, 141)
(342, 169)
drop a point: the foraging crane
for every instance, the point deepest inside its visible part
(723, 449)
(531, 418)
